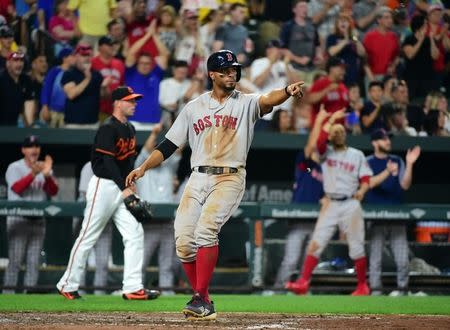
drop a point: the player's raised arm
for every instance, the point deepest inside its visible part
(315, 132)
(278, 96)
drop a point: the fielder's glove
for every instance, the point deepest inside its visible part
(141, 210)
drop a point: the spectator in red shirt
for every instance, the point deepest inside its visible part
(137, 24)
(111, 69)
(382, 47)
(63, 25)
(6, 9)
(330, 90)
(438, 30)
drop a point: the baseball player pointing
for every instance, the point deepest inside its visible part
(219, 128)
(346, 177)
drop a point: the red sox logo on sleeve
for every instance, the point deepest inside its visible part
(225, 121)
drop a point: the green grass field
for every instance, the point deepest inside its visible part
(434, 305)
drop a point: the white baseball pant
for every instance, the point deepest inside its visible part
(103, 202)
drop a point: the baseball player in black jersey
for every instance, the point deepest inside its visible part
(113, 156)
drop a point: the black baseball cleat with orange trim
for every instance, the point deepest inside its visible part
(143, 294)
(72, 295)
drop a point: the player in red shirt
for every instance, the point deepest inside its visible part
(330, 90)
(112, 69)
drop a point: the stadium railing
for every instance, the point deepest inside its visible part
(256, 212)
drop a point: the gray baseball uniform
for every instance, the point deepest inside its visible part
(219, 135)
(25, 235)
(156, 186)
(342, 173)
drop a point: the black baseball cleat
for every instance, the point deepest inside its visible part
(72, 295)
(142, 294)
(197, 309)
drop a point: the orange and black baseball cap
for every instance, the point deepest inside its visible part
(124, 93)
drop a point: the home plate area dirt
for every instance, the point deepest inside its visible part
(250, 321)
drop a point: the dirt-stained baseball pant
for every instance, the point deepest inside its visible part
(294, 251)
(208, 202)
(104, 201)
(348, 216)
(25, 237)
(399, 247)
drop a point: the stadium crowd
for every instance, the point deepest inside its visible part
(386, 62)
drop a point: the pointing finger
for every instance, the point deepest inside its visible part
(299, 83)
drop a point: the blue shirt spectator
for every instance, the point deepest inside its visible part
(391, 175)
(389, 191)
(52, 93)
(47, 8)
(308, 186)
(53, 97)
(144, 74)
(147, 109)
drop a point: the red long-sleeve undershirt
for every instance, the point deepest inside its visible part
(50, 186)
(322, 142)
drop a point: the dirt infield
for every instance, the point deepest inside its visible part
(251, 321)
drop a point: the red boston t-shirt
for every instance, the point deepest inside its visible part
(136, 30)
(381, 49)
(333, 101)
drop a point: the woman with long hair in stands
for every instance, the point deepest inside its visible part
(344, 43)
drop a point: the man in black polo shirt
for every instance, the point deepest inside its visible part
(16, 93)
(83, 87)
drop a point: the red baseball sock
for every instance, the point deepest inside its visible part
(361, 269)
(308, 267)
(191, 272)
(206, 261)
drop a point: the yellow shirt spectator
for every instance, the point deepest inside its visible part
(204, 11)
(13, 48)
(94, 15)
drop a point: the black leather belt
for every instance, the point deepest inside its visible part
(215, 170)
(339, 199)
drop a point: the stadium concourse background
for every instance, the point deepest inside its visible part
(270, 175)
